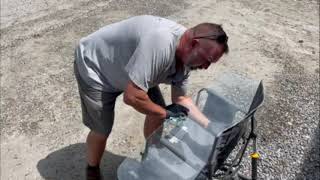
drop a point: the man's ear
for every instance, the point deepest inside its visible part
(194, 43)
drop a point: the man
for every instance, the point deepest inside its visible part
(132, 57)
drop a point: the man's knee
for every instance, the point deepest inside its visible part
(152, 124)
(97, 136)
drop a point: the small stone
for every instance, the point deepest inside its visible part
(300, 41)
(15, 156)
(36, 35)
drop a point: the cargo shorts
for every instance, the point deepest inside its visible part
(98, 106)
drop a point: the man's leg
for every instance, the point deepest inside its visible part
(100, 121)
(152, 123)
(96, 144)
(98, 115)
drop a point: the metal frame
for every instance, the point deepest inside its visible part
(218, 168)
(231, 169)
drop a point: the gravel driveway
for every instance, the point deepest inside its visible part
(41, 132)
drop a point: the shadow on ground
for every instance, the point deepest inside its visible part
(310, 168)
(69, 163)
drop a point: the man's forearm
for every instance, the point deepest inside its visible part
(140, 101)
(146, 106)
(194, 111)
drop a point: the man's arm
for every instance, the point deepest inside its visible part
(179, 96)
(194, 111)
(139, 100)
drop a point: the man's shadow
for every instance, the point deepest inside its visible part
(70, 163)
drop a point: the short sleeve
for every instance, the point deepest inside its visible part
(150, 59)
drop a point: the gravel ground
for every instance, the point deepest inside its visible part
(41, 132)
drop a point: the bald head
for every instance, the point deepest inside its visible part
(202, 45)
(213, 32)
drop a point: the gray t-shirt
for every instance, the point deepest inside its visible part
(140, 49)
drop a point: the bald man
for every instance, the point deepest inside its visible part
(133, 57)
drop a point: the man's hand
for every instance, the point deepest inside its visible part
(176, 110)
(194, 113)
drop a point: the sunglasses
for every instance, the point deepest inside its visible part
(220, 38)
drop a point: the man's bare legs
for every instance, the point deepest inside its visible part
(96, 144)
